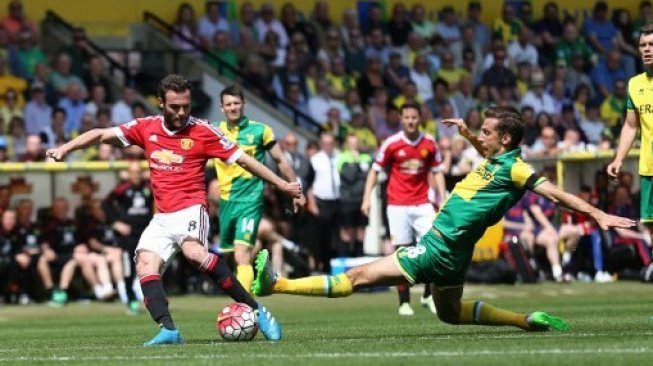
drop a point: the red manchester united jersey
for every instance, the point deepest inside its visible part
(177, 158)
(408, 164)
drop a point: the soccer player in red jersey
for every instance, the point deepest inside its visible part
(177, 147)
(412, 160)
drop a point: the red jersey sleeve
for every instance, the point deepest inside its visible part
(131, 133)
(218, 145)
(437, 159)
(383, 156)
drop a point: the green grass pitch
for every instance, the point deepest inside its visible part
(610, 326)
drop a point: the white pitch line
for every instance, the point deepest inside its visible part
(218, 343)
(333, 355)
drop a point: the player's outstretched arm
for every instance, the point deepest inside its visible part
(572, 202)
(626, 140)
(370, 182)
(292, 189)
(89, 138)
(465, 132)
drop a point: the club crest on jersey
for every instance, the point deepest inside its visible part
(166, 157)
(187, 144)
(424, 153)
(250, 138)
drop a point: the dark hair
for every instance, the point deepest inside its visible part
(510, 122)
(410, 106)
(233, 90)
(174, 82)
(645, 30)
(58, 110)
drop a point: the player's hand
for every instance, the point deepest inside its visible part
(299, 204)
(614, 169)
(606, 221)
(122, 228)
(458, 122)
(365, 208)
(56, 154)
(293, 189)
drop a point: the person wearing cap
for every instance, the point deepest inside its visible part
(537, 97)
(38, 114)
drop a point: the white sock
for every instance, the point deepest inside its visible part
(122, 291)
(557, 270)
(99, 291)
(136, 286)
(566, 257)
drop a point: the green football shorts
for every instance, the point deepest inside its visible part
(646, 202)
(435, 260)
(239, 223)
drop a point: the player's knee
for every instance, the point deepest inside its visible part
(448, 316)
(242, 254)
(357, 278)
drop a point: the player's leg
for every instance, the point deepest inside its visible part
(194, 245)
(155, 249)
(383, 272)
(422, 218)
(247, 218)
(219, 271)
(401, 234)
(452, 310)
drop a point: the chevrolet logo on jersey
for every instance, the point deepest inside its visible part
(187, 144)
(166, 157)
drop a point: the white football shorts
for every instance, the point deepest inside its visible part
(408, 224)
(167, 231)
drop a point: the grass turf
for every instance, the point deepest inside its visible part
(610, 326)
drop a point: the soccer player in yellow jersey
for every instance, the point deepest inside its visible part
(445, 251)
(639, 114)
(241, 193)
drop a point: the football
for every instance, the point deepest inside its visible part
(237, 322)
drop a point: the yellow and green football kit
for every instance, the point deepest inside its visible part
(476, 203)
(241, 192)
(640, 100)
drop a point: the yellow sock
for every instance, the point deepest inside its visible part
(478, 312)
(327, 286)
(245, 275)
